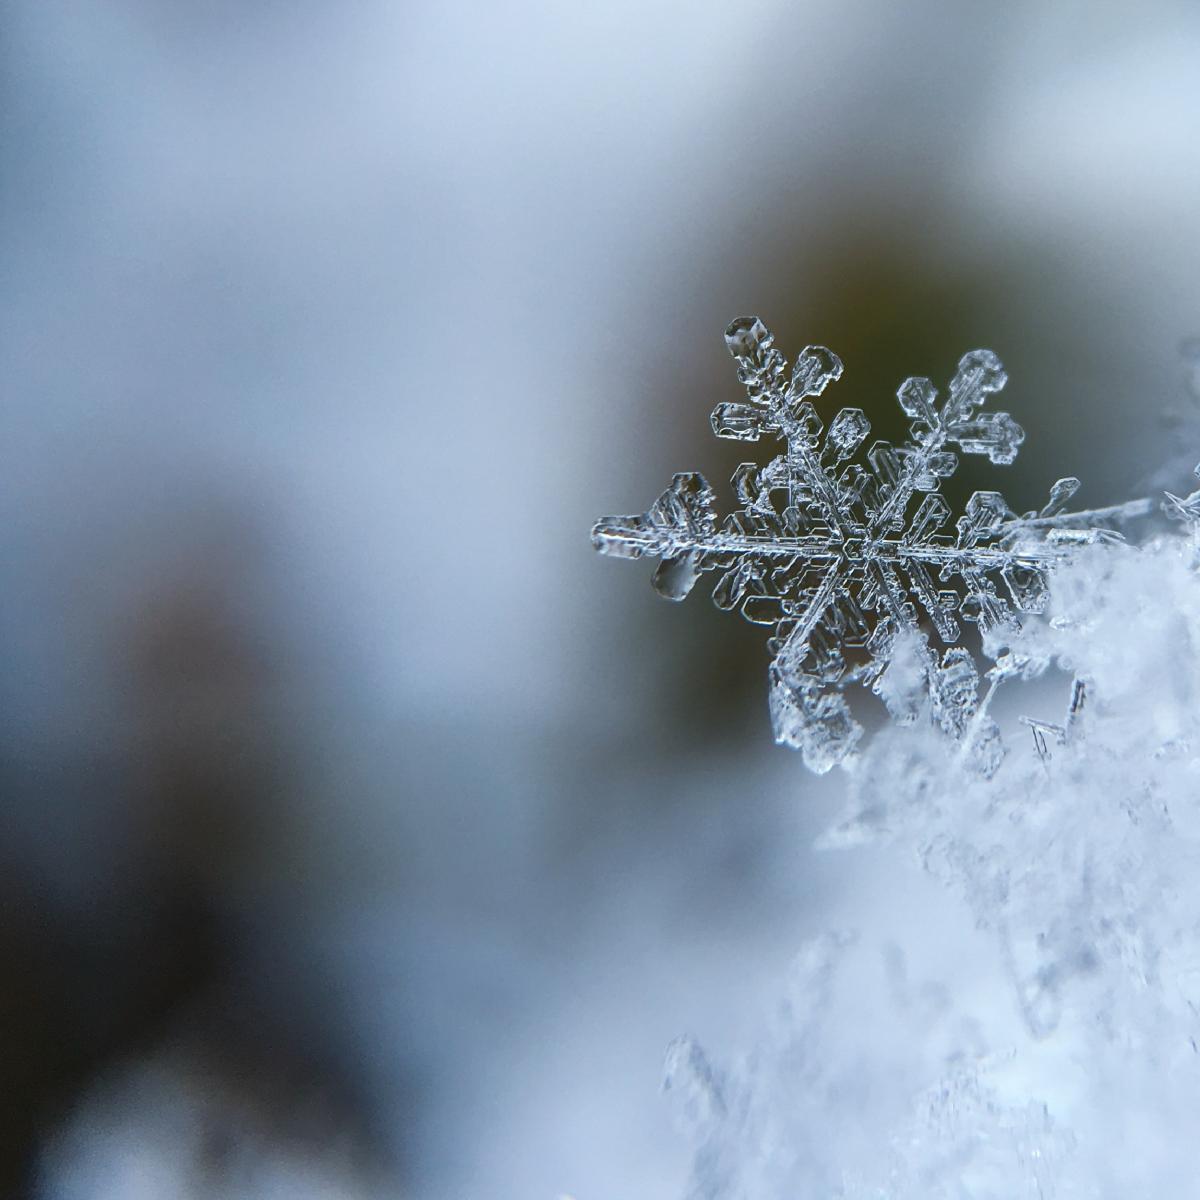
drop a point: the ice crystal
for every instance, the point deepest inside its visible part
(1184, 508)
(847, 557)
(1029, 1025)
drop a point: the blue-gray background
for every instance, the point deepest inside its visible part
(358, 822)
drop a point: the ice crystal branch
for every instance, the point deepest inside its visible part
(1184, 508)
(832, 549)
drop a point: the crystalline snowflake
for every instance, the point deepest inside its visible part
(826, 551)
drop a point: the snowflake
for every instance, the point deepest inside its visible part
(826, 552)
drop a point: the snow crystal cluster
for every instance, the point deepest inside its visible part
(1032, 1028)
(1051, 1048)
(839, 558)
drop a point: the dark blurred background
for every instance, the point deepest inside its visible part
(364, 834)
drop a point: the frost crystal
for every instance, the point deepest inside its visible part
(1028, 1028)
(1184, 508)
(833, 550)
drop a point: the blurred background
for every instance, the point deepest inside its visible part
(362, 832)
